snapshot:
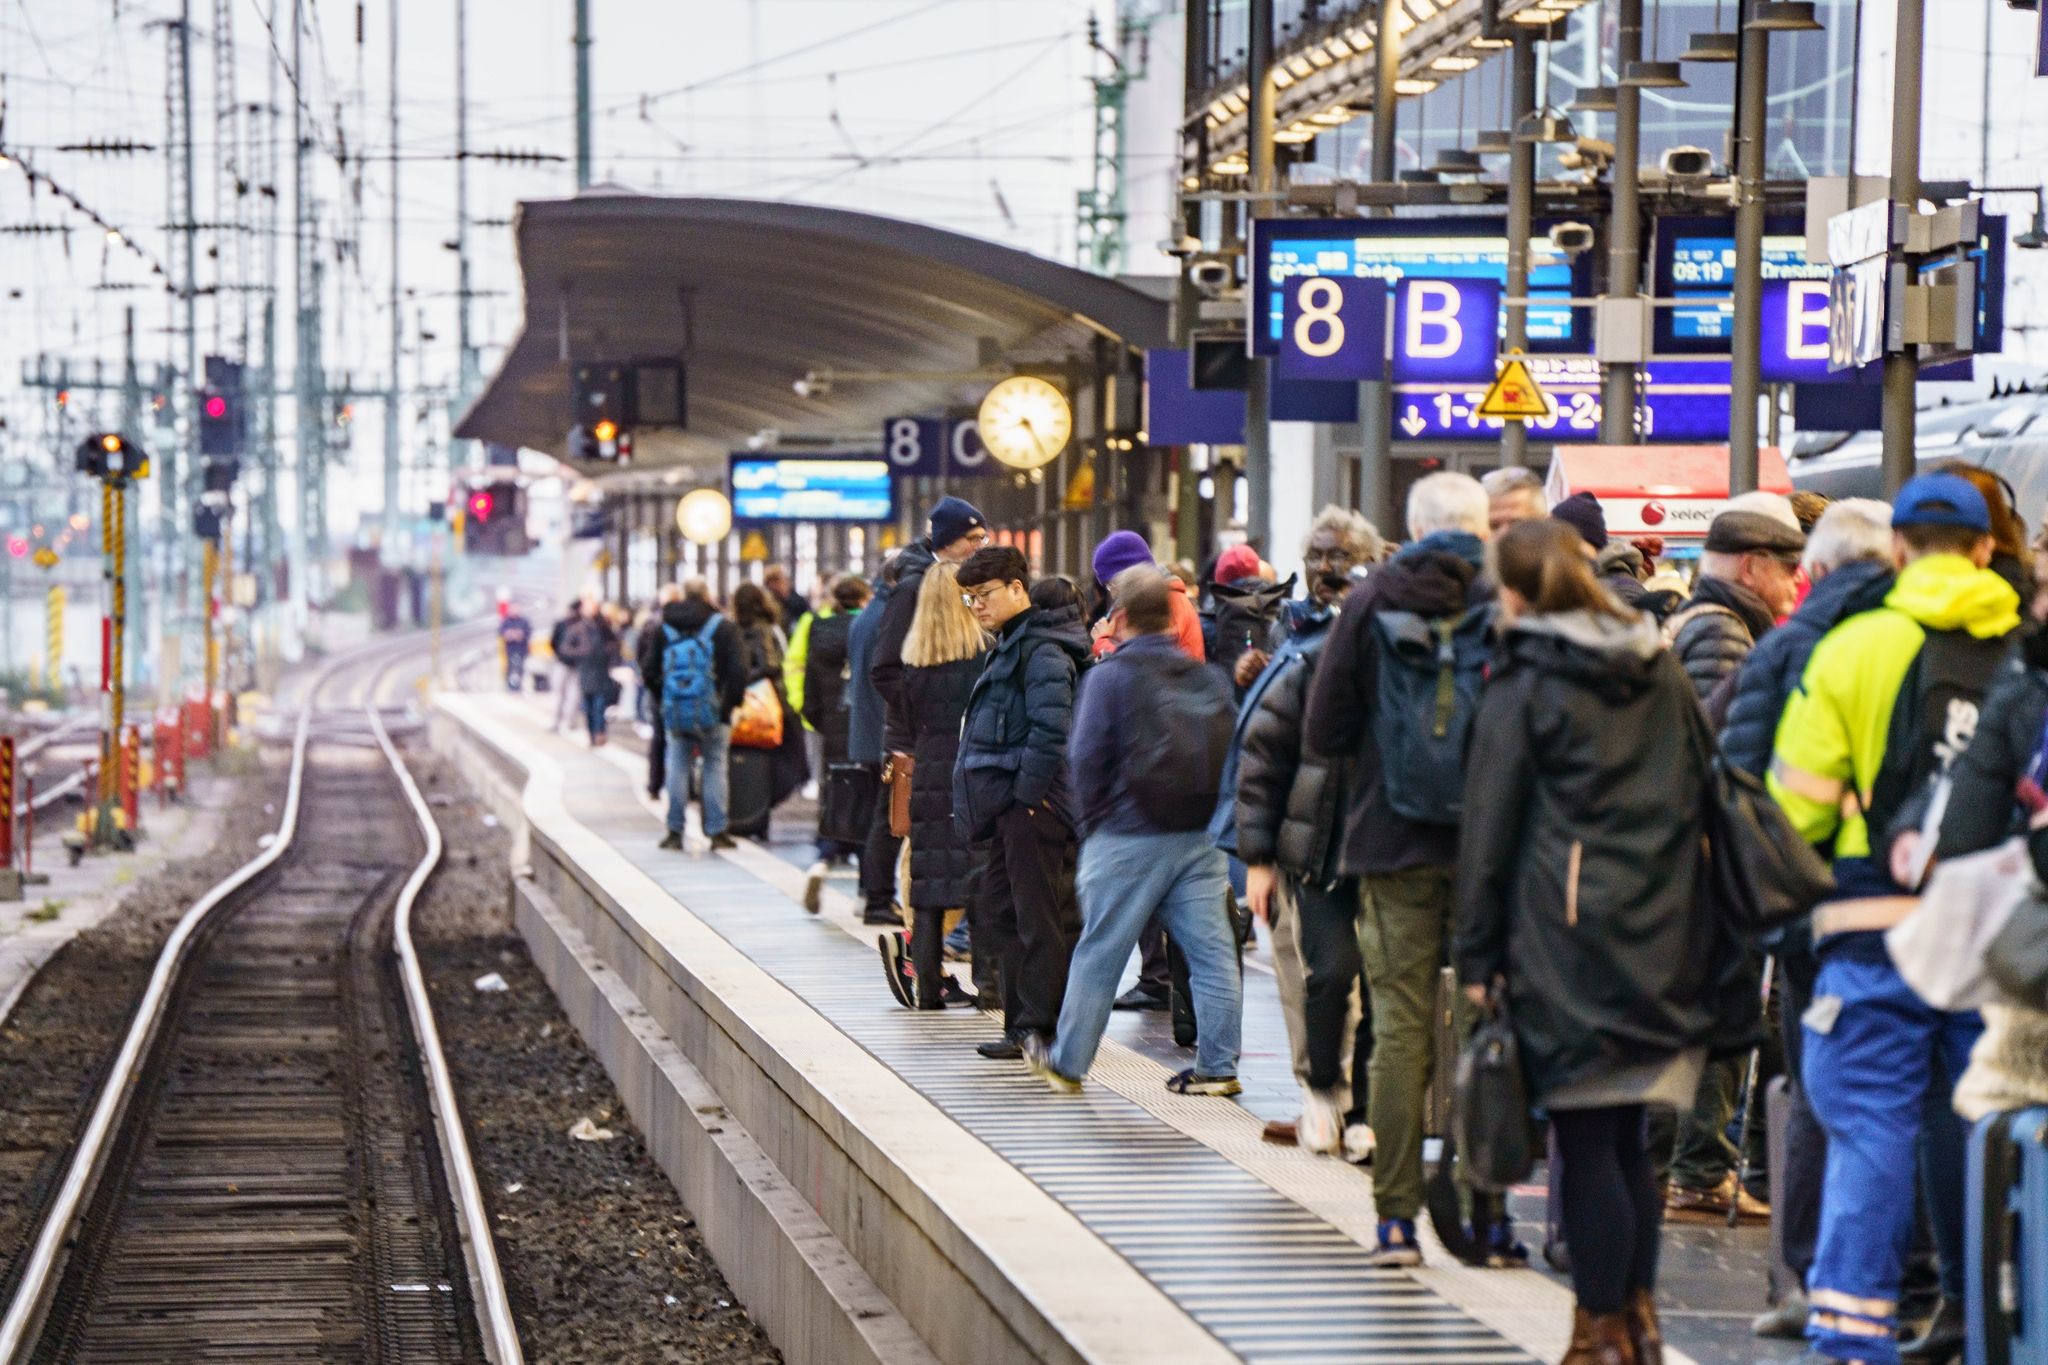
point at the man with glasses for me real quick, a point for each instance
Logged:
(1010, 788)
(955, 530)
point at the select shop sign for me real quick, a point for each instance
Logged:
(1672, 516)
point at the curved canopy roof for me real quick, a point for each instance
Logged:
(754, 294)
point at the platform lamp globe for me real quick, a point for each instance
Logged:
(704, 516)
(1025, 421)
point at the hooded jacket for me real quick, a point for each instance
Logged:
(1982, 808)
(942, 857)
(885, 668)
(1013, 739)
(819, 684)
(1716, 630)
(1187, 626)
(865, 712)
(686, 618)
(1832, 736)
(1308, 631)
(1578, 864)
(1772, 669)
(1436, 576)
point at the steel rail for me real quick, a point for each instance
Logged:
(24, 1312)
(494, 1308)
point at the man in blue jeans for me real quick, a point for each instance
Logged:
(1133, 868)
(682, 621)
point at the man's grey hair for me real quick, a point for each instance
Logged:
(667, 593)
(1514, 479)
(1352, 530)
(1849, 530)
(697, 589)
(1447, 501)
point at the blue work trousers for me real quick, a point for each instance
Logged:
(1122, 881)
(1872, 1049)
(714, 747)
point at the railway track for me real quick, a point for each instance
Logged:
(275, 1169)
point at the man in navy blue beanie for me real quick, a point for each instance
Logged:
(957, 529)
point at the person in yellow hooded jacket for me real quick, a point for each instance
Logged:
(1888, 699)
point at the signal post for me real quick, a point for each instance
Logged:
(116, 462)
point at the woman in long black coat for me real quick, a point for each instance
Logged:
(942, 656)
(1578, 905)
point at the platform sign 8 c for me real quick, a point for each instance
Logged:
(927, 447)
(1333, 328)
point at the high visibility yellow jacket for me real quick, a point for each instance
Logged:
(1831, 737)
(797, 656)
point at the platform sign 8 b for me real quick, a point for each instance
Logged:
(1333, 328)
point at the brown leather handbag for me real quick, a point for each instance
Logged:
(897, 774)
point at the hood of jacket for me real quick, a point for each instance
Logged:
(687, 615)
(1948, 592)
(1430, 578)
(1060, 618)
(1615, 658)
(1253, 595)
(1858, 586)
(1620, 557)
(1722, 592)
(1061, 627)
(913, 560)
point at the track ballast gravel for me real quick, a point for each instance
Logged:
(601, 1259)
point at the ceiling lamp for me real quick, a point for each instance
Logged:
(1417, 175)
(1297, 133)
(1301, 67)
(1457, 161)
(1413, 85)
(1784, 16)
(1594, 99)
(1545, 125)
(1458, 63)
(1233, 164)
(1652, 76)
(1336, 116)
(1713, 47)
(1493, 142)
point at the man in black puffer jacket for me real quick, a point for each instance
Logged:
(1010, 787)
(1746, 586)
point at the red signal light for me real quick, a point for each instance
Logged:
(17, 547)
(216, 406)
(480, 504)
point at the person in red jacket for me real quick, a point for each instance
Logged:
(1122, 550)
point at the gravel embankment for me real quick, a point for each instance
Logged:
(602, 1261)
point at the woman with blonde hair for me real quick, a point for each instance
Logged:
(942, 656)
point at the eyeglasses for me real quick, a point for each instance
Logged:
(1329, 557)
(977, 597)
(977, 537)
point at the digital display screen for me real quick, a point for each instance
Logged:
(811, 488)
(1706, 265)
(1394, 250)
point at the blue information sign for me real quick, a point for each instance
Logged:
(1394, 250)
(1334, 328)
(810, 488)
(1446, 330)
(1795, 332)
(1683, 402)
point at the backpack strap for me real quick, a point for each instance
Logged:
(1679, 620)
(708, 629)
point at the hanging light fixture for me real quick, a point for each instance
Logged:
(1593, 99)
(1456, 159)
(1653, 74)
(1493, 142)
(1784, 16)
(1716, 46)
(1545, 125)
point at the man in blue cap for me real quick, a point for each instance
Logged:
(1888, 699)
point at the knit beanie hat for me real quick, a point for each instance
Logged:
(1120, 550)
(953, 518)
(1239, 561)
(1581, 512)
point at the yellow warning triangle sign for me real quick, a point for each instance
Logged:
(1515, 395)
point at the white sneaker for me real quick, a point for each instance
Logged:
(1359, 1143)
(1320, 1129)
(814, 886)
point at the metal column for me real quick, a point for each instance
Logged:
(1752, 86)
(1902, 367)
(582, 94)
(1375, 397)
(391, 441)
(1514, 436)
(1624, 225)
(1258, 406)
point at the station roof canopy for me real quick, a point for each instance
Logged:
(754, 295)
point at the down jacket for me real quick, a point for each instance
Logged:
(942, 857)
(1578, 869)
(1773, 668)
(1288, 797)
(1715, 632)
(1013, 740)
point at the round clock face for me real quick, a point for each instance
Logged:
(1025, 422)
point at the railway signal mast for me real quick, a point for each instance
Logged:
(116, 462)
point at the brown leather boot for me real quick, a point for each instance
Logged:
(1644, 1333)
(1599, 1339)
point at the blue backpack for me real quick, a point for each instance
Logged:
(1430, 673)
(689, 683)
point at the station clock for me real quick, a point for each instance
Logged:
(1025, 421)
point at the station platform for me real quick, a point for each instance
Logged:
(876, 1190)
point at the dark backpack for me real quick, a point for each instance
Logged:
(579, 639)
(1431, 670)
(1179, 737)
(1932, 720)
(689, 681)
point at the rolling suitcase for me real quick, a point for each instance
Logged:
(750, 790)
(2007, 1239)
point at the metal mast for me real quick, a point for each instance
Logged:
(305, 533)
(465, 359)
(392, 458)
(583, 94)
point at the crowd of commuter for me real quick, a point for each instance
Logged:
(1478, 775)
